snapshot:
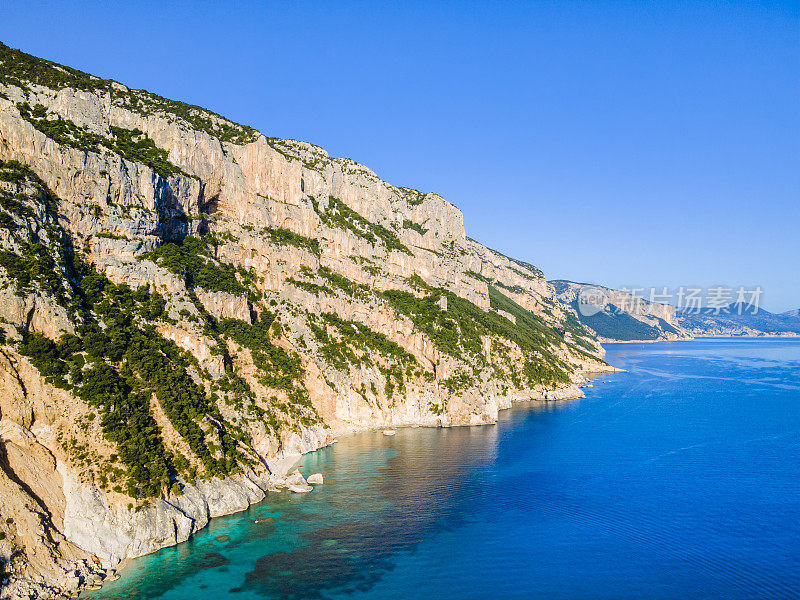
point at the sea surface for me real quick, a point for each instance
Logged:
(677, 479)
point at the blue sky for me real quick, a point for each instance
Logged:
(624, 143)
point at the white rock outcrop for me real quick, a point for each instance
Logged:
(295, 482)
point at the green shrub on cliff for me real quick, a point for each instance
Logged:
(21, 69)
(191, 258)
(29, 218)
(281, 236)
(130, 144)
(342, 216)
(277, 368)
(415, 226)
(458, 330)
(44, 354)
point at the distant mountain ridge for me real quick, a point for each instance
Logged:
(626, 318)
(739, 320)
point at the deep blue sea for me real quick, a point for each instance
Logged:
(677, 479)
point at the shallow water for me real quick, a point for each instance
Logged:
(678, 479)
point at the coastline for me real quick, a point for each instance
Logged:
(789, 334)
(280, 467)
(565, 424)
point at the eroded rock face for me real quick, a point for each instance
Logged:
(656, 321)
(223, 305)
(302, 296)
(113, 532)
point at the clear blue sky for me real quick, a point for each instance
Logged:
(625, 143)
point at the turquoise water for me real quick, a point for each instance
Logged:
(678, 479)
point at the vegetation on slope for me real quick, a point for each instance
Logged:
(192, 258)
(407, 224)
(130, 144)
(285, 237)
(312, 157)
(23, 70)
(116, 361)
(458, 330)
(342, 216)
(278, 369)
(618, 325)
(411, 196)
(37, 258)
(345, 344)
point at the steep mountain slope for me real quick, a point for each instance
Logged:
(623, 317)
(185, 301)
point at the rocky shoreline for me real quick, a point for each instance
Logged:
(207, 499)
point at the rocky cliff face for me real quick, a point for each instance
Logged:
(186, 302)
(623, 316)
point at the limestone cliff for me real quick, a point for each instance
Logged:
(626, 317)
(620, 316)
(186, 302)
